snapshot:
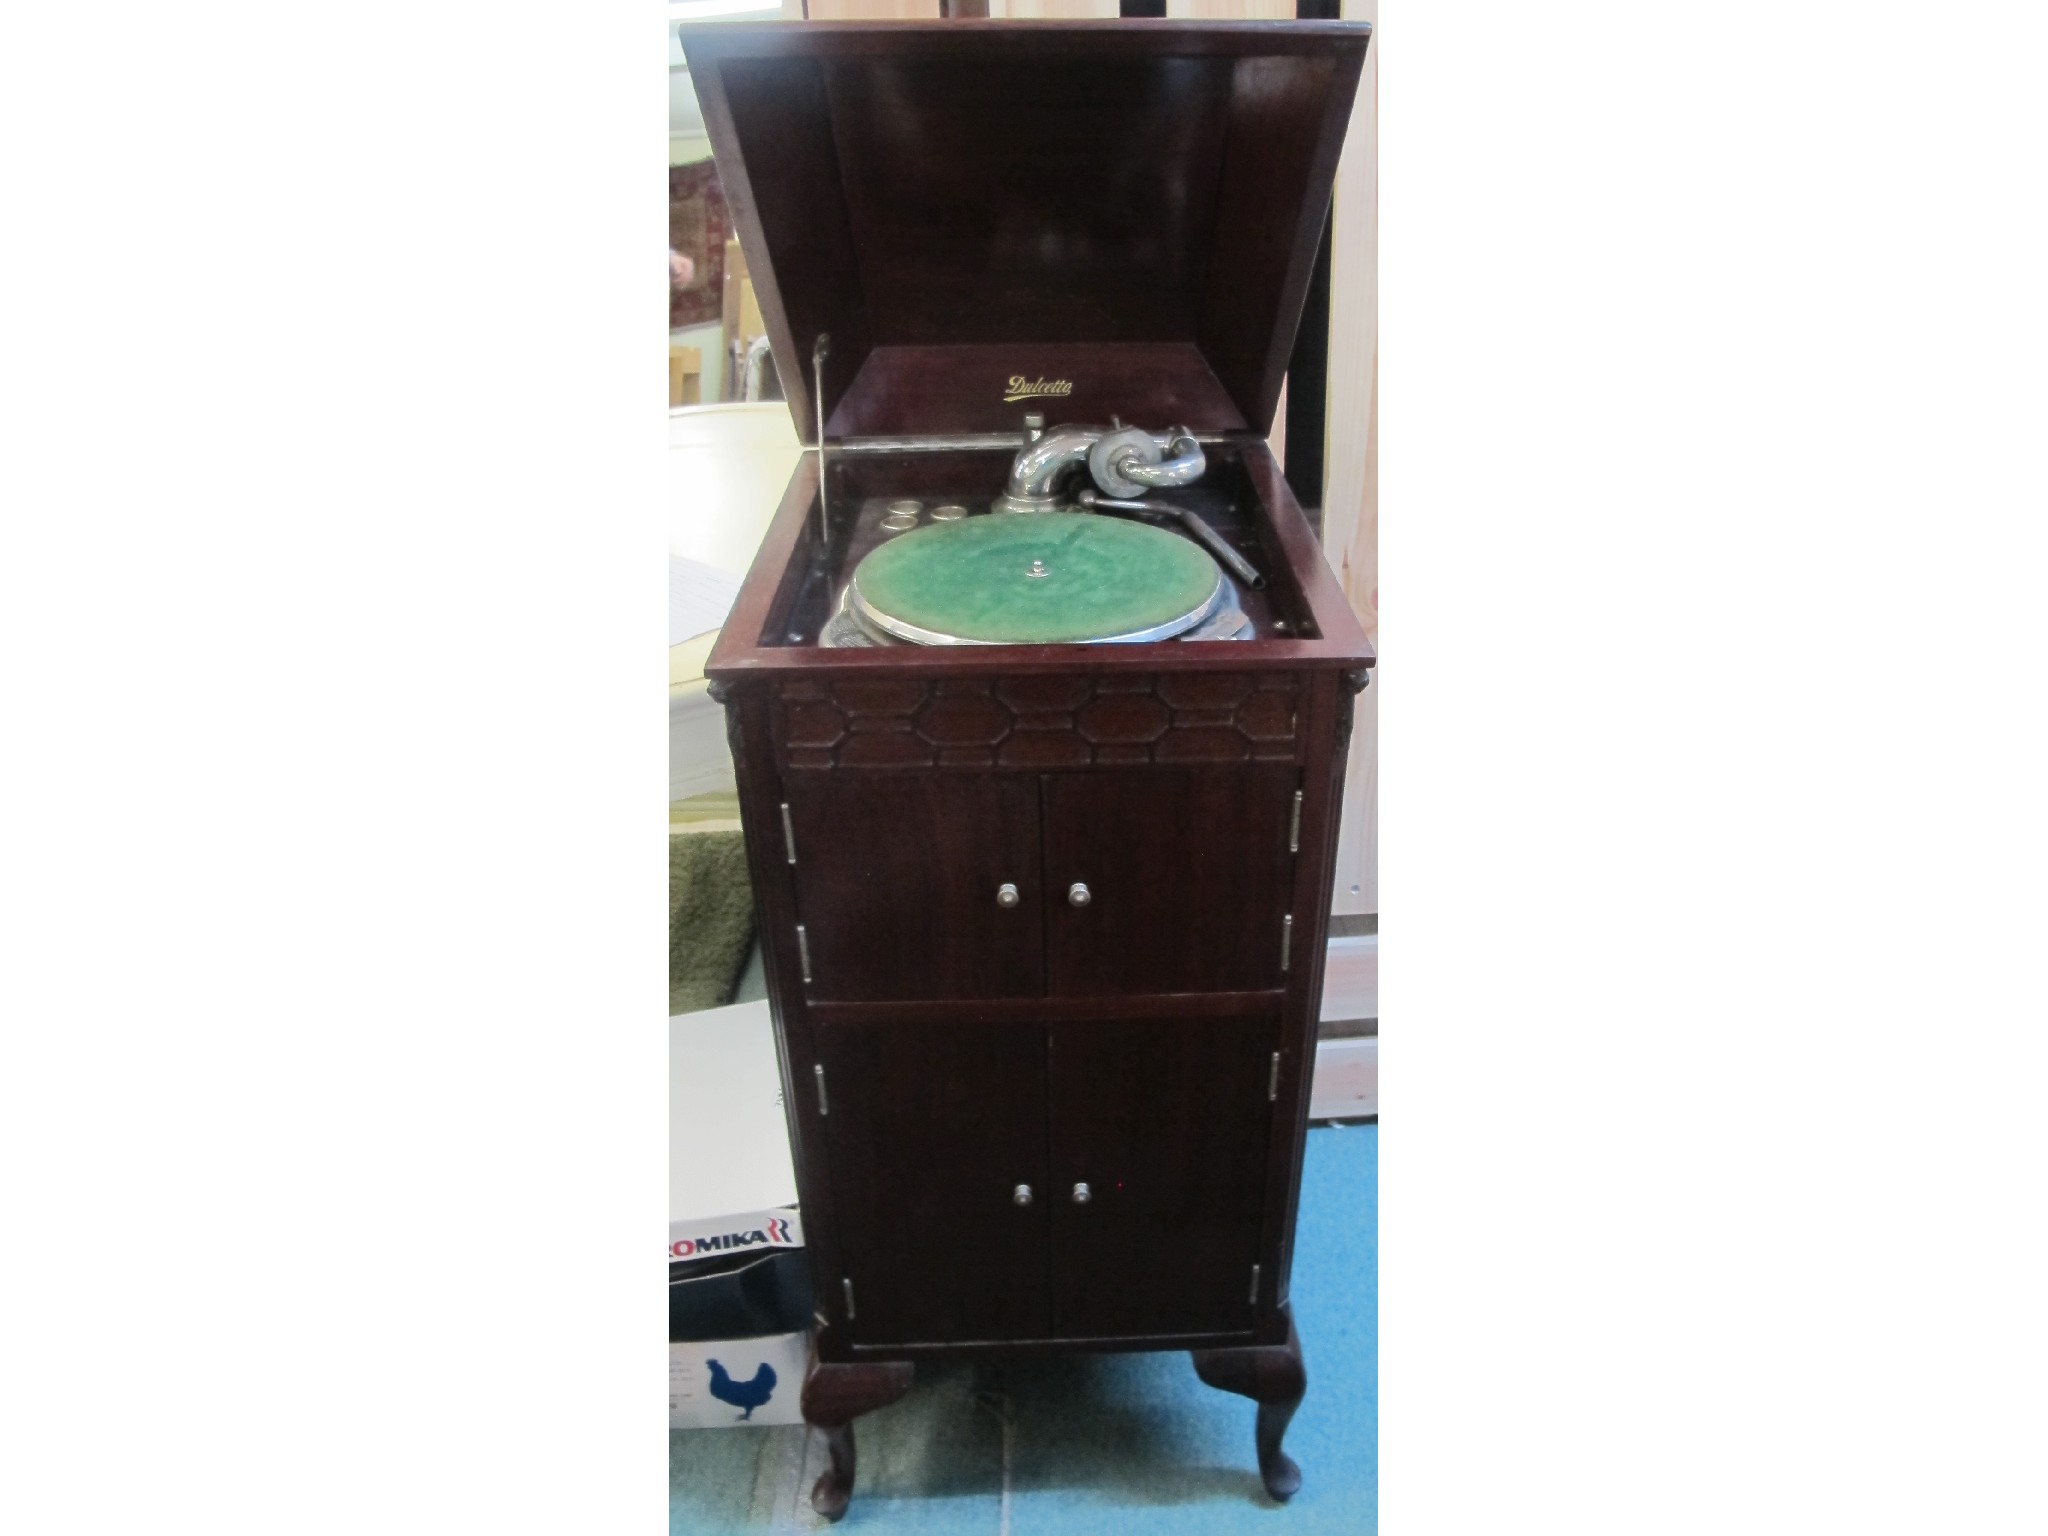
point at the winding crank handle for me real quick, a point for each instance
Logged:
(1203, 534)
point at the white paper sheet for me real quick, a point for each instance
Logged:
(699, 597)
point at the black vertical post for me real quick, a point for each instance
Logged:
(1142, 8)
(1308, 390)
(1308, 368)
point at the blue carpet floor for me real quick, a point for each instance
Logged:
(1117, 1443)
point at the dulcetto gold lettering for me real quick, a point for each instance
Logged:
(1022, 388)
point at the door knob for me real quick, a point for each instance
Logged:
(1077, 895)
(1081, 1195)
(1006, 895)
(1021, 1194)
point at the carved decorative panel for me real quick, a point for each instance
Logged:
(1033, 723)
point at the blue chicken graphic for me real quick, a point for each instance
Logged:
(748, 1395)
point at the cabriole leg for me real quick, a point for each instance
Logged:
(833, 1397)
(1273, 1376)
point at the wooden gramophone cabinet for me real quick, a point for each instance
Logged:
(1044, 924)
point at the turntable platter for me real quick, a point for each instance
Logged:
(1036, 578)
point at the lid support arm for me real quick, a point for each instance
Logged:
(819, 351)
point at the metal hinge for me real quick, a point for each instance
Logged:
(789, 832)
(1273, 1080)
(1293, 826)
(803, 951)
(1255, 1286)
(818, 1075)
(1286, 942)
(847, 1287)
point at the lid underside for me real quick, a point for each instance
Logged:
(1036, 579)
(987, 218)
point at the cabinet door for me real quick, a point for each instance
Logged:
(931, 1129)
(1187, 875)
(1166, 1123)
(899, 884)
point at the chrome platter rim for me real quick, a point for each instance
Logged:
(917, 634)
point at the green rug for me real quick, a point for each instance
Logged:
(710, 918)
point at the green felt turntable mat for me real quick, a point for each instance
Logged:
(1034, 578)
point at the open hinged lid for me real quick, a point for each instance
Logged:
(1083, 219)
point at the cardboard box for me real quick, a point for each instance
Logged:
(739, 1288)
(716, 1385)
(738, 1277)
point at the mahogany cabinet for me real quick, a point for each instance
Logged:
(1035, 1159)
(954, 885)
(1044, 924)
